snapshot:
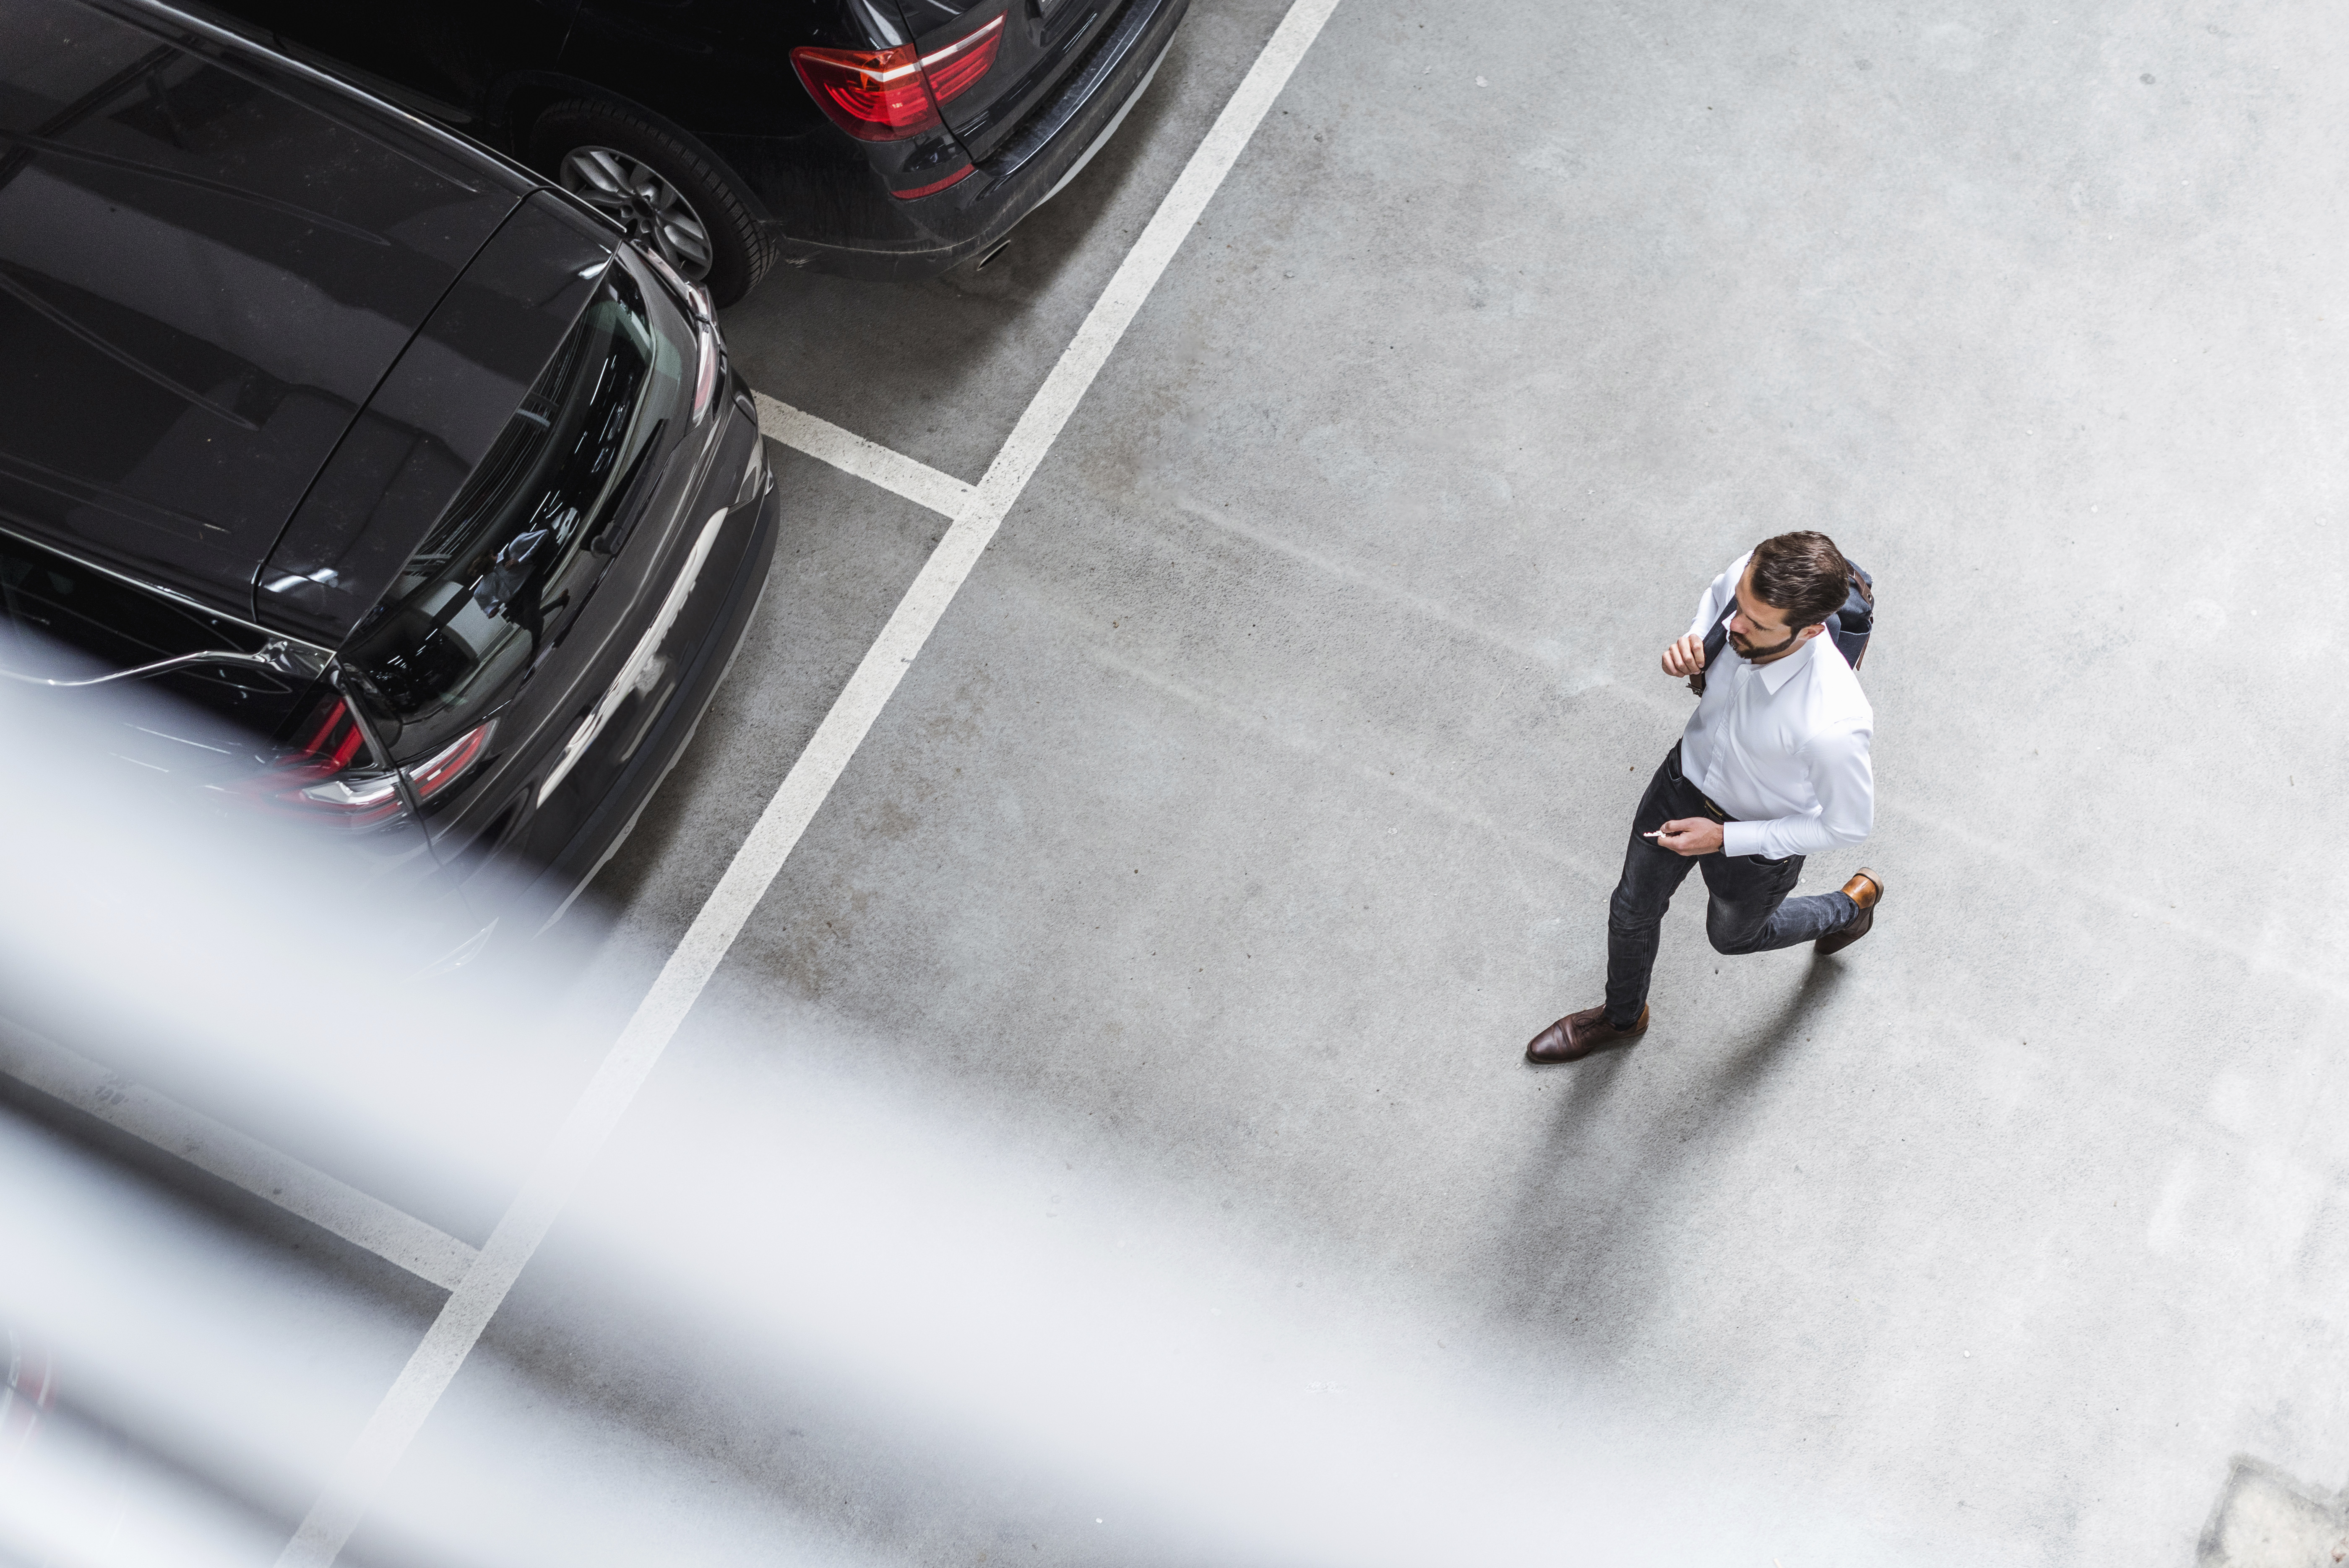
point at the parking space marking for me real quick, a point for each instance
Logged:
(869, 460)
(565, 1164)
(242, 1162)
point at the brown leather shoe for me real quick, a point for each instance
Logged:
(1866, 890)
(1577, 1035)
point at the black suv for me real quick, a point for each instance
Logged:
(432, 501)
(878, 137)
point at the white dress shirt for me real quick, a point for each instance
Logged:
(1781, 746)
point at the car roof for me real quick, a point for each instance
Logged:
(210, 257)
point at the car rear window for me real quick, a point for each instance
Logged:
(516, 551)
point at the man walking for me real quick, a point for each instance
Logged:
(1771, 767)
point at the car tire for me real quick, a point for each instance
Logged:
(602, 152)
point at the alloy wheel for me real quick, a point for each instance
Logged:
(631, 193)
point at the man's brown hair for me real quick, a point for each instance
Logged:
(1803, 576)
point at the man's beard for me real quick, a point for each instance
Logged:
(1756, 654)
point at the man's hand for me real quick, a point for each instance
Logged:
(1685, 656)
(1691, 835)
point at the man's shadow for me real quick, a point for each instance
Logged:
(1746, 1066)
(1603, 1187)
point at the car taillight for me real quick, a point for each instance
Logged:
(440, 770)
(956, 69)
(874, 96)
(317, 777)
(337, 739)
(314, 777)
(934, 186)
(888, 94)
(361, 800)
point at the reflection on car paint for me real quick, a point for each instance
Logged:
(645, 666)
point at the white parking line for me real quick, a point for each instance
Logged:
(869, 460)
(469, 1308)
(242, 1162)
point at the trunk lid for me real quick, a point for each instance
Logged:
(1040, 40)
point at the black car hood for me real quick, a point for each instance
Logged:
(208, 261)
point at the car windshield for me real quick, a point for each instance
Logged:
(518, 549)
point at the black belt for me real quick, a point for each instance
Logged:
(1673, 766)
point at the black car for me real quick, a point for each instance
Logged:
(877, 138)
(431, 504)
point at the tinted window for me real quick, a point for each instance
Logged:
(515, 554)
(61, 620)
(65, 621)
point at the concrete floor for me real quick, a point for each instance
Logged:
(1261, 793)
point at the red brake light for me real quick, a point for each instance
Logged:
(362, 800)
(956, 69)
(889, 95)
(336, 740)
(874, 96)
(313, 778)
(931, 189)
(438, 771)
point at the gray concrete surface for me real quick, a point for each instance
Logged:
(1259, 796)
(2265, 1517)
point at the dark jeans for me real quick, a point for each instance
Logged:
(1749, 912)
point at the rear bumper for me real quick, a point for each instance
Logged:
(924, 236)
(615, 817)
